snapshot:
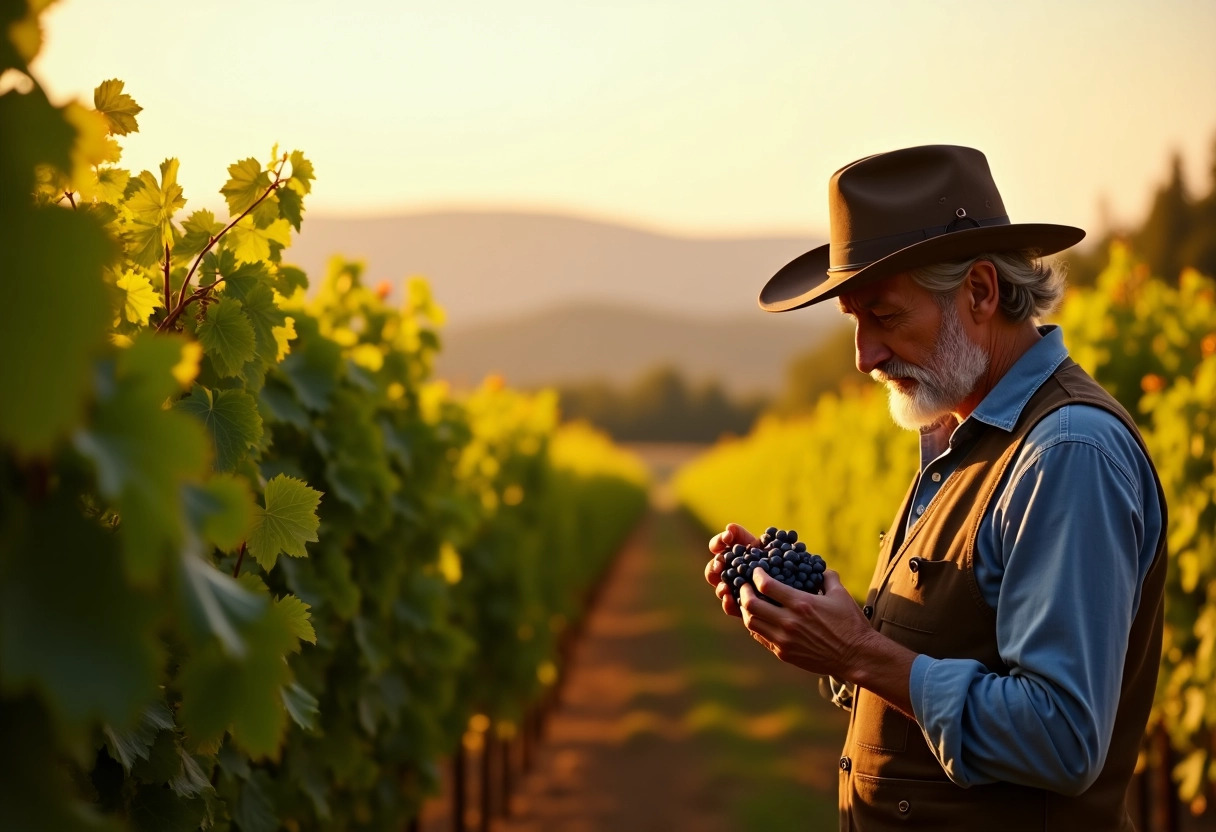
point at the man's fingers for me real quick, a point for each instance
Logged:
(732, 534)
(831, 581)
(738, 534)
(772, 587)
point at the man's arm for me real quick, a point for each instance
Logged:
(1073, 535)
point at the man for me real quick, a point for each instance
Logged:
(1004, 663)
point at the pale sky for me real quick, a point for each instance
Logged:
(698, 117)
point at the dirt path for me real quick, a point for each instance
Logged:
(673, 718)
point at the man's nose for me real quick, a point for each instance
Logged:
(870, 351)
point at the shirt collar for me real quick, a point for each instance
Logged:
(1004, 403)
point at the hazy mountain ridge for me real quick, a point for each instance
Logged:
(493, 265)
(546, 298)
(747, 353)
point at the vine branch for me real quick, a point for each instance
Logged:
(168, 290)
(184, 300)
(71, 199)
(236, 570)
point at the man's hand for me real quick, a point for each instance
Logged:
(827, 634)
(719, 545)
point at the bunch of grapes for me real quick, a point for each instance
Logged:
(782, 555)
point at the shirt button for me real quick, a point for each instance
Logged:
(904, 806)
(920, 510)
(937, 477)
(867, 611)
(845, 764)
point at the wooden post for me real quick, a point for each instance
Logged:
(506, 777)
(458, 787)
(487, 787)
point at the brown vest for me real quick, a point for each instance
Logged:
(924, 595)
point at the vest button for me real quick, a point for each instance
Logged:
(914, 565)
(845, 764)
(904, 806)
(867, 611)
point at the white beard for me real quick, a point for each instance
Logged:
(949, 376)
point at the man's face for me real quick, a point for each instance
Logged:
(917, 346)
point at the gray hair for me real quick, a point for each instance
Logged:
(1029, 287)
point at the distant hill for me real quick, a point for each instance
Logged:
(746, 352)
(493, 266)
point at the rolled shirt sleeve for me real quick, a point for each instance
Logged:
(1061, 558)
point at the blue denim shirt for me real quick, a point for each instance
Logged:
(1061, 556)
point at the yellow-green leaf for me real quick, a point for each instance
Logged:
(119, 108)
(139, 298)
(251, 244)
(247, 181)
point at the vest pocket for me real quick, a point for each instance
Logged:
(876, 725)
(884, 803)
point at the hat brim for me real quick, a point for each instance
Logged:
(805, 280)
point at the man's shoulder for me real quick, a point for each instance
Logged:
(1074, 425)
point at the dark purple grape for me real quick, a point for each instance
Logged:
(791, 536)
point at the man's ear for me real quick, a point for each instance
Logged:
(982, 292)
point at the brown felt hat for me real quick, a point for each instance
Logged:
(902, 210)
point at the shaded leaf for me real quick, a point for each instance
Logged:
(55, 259)
(232, 419)
(301, 705)
(220, 510)
(71, 627)
(133, 744)
(227, 336)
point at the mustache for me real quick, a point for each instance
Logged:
(894, 368)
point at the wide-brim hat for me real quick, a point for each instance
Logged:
(893, 212)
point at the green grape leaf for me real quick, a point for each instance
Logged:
(128, 746)
(302, 174)
(152, 206)
(288, 521)
(218, 605)
(313, 367)
(254, 810)
(291, 207)
(222, 692)
(279, 405)
(71, 627)
(162, 760)
(266, 317)
(57, 302)
(227, 336)
(220, 510)
(191, 780)
(247, 181)
(290, 279)
(139, 298)
(119, 108)
(198, 230)
(301, 705)
(251, 244)
(296, 613)
(145, 454)
(232, 419)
